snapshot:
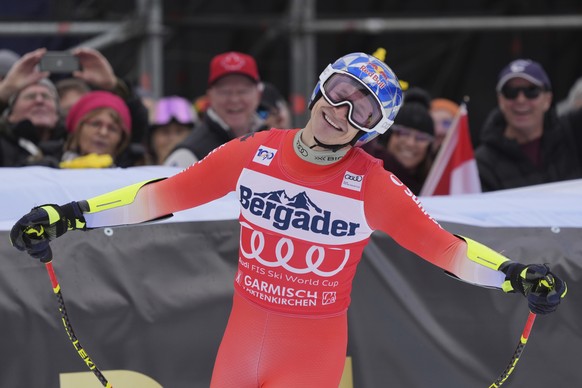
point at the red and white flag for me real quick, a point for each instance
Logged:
(454, 171)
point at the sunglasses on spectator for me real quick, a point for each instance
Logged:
(530, 92)
(420, 137)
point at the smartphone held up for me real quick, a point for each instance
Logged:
(59, 62)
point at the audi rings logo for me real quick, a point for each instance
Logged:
(352, 181)
(264, 155)
(351, 177)
(284, 252)
(301, 149)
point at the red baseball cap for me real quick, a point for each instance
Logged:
(233, 62)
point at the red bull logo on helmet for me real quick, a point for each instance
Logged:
(379, 72)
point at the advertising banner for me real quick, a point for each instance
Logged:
(149, 302)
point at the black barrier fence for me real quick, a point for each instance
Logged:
(149, 304)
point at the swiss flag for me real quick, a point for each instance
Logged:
(454, 170)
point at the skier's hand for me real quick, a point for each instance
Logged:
(542, 288)
(33, 232)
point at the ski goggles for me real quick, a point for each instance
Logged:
(365, 110)
(173, 108)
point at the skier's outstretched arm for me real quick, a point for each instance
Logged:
(392, 208)
(209, 179)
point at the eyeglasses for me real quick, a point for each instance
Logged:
(365, 110)
(530, 92)
(420, 137)
(34, 95)
(98, 124)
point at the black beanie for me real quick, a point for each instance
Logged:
(414, 112)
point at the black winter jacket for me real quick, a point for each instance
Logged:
(20, 146)
(503, 165)
(208, 134)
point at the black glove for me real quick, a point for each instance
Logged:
(537, 283)
(33, 232)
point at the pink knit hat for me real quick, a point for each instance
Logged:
(95, 100)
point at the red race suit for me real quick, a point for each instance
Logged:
(303, 229)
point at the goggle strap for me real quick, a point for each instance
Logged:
(332, 147)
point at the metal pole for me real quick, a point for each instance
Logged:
(435, 24)
(151, 67)
(55, 28)
(303, 59)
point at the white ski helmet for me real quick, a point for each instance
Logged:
(380, 85)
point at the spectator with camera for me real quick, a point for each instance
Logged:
(97, 72)
(523, 142)
(32, 129)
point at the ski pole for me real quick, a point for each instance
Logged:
(517, 353)
(69, 328)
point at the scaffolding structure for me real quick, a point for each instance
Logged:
(299, 24)
(146, 23)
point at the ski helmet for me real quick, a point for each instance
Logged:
(380, 87)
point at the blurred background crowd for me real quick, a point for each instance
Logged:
(165, 82)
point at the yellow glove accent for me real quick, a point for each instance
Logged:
(52, 214)
(506, 286)
(116, 198)
(89, 161)
(483, 255)
(79, 224)
(36, 231)
(565, 291)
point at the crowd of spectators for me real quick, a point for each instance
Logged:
(95, 119)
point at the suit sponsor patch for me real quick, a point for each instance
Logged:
(264, 155)
(352, 181)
